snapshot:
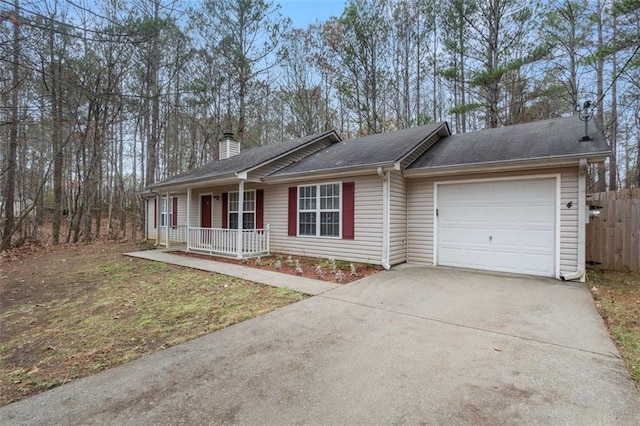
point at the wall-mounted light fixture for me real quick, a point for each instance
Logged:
(216, 197)
(594, 211)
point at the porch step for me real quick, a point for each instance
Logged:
(274, 279)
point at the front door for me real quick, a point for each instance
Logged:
(205, 211)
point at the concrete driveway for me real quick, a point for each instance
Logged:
(409, 346)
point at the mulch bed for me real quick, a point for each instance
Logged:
(335, 271)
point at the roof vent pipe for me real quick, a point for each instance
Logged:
(228, 146)
(585, 114)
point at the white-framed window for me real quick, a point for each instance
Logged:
(166, 211)
(249, 210)
(319, 210)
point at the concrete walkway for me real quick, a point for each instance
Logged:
(409, 346)
(272, 278)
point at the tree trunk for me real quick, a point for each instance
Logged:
(56, 142)
(601, 185)
(11, 160)
(613, 128)
(152, 82)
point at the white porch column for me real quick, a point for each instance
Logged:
(166, 219)
(157, 214)
(188, 215)
(240, 217)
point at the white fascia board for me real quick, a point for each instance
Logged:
(335, 173)
(499, 166)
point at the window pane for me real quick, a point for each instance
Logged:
(248, 221)
(307, 224)
(307, 198)
(233, 220)
(233, 201)
(249, 201)
(164, 207)
(330, 197)
(330, 224)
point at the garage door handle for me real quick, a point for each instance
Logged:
(490, 238)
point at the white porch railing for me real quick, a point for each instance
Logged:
(255, 242)
(177, 234)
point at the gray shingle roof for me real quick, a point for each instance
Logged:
(559, 137)
(245, 160)
(382, 148)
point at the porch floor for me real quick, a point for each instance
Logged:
(274, 279)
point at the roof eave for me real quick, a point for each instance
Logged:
(233, 176)
(216, 180)
(333, 133)
(540, 162)
(330, 173)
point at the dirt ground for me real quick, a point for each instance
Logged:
(70, 311)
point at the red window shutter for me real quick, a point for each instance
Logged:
(348, 210)
(293, 211)
(260, 209)
(155, 213)
(175, 212)
(225, 210)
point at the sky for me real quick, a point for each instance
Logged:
(305, 12)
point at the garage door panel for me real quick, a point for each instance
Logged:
(506, 213)
(475, 235)
(534, 263)
(499, 225)
(538, 238)
(451, 234)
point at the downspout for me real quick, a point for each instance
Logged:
(582, 203)
(385, 218)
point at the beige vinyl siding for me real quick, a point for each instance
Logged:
(397, 219)
(182, 209)
(194, 213)
(151, 231)
(420, 221)
(420, 213)
(367, 245)
(569, 220)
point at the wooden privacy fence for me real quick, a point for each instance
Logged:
(613, 239)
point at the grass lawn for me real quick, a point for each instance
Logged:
(617, 296)
(68, 312)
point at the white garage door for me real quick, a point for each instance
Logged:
(506, 225)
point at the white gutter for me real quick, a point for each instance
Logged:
(582, 206)
(547, 162)
(334, 173)
(385, 218)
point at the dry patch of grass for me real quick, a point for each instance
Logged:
(617, 296)
(70, 312)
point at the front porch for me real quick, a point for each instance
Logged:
(242, 243)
